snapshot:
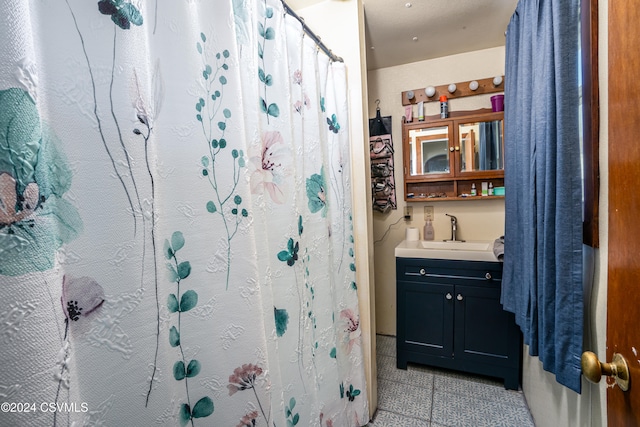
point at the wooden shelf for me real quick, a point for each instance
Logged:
(450, 199)
(484, 86)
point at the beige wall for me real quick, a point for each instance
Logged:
(478, 219)
(324, 17)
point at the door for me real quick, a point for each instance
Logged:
(623, 301)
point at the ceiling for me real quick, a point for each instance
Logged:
(404, 31)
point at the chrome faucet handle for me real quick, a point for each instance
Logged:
(454, 228)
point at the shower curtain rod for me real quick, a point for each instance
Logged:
(311, 34)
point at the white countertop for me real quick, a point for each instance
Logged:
(415, 249)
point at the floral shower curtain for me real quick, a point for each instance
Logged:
(175, 218)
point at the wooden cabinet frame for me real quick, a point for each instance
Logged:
(452, 184)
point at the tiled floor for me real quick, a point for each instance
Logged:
(429, 397)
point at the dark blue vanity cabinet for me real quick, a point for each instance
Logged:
(449, 315)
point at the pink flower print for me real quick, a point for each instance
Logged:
(305, 102)
(249, 420)
(80, 297)
(297, 77)
(9, 199)
(243, 378)
(270, 167)
(351, 328)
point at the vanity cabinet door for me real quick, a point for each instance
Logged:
(425, 319)
(484, 331)
(487, 340)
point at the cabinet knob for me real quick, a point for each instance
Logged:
(488, 276)
(449, 296)
(459, 297)
(423, 272)
(451, 149)
(457, 148)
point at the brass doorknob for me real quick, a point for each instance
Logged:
(593, 369)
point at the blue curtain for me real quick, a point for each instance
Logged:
(542, 281)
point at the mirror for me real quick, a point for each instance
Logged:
(481, 147)
(429, 150)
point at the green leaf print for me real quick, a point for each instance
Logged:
(184, 415)
(290, 256)
(172, 303)
(316, 193)
(273, 110)
(122, 14)
(178, 370)
(20, 136)
(35, 219)
(177, 241)
(184, 269)
(202, 408)
(173, 274)
(282, 319)
(168, 252)
(174, 337)
(188, 301)
(292, 419)
(193, 368)
(215, 120)
(270, 34)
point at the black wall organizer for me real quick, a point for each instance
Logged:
(383, 188)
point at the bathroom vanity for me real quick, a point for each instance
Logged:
(449, 313)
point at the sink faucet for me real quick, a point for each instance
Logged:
(454, 228)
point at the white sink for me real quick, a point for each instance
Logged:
(458, 245)
(474, 250)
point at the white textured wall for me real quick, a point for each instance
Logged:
(478, 219)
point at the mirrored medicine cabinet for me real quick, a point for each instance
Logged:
(443, 158)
